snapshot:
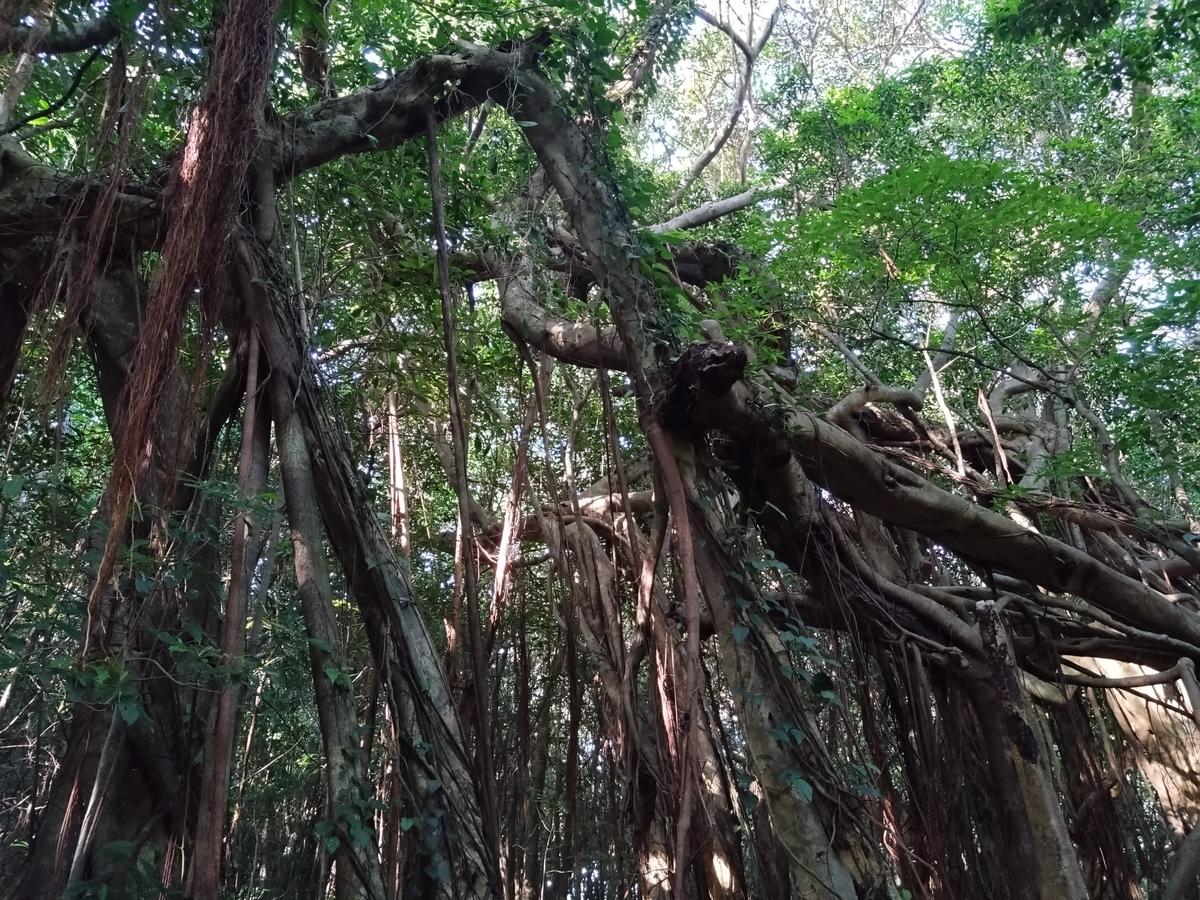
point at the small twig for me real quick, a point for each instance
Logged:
(718, 141)
(61, 101)
(936, 384)
(1001, 457)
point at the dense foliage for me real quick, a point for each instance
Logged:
(479, 449)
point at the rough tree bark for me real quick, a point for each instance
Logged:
(141, 799)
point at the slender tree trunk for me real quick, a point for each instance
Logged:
(398, 488)
(204, 879)
(434, 757)
(523, 688)
(356, 856)
(718, 847)
(458, 428)
(571, 762)
(538, 762)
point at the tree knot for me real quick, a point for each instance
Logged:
(703, 371)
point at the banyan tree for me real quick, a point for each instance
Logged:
(599, 449)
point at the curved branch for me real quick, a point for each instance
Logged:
(60, 38)
(649, 49)
(841, 412)
(387, 114)
(577, 343)
(751, 54)
(61, 101)
(858, 475)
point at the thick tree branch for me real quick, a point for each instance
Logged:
(842, 411)
(855, 473)
(717, 209)
(59, 38)
(577, 343)
(386, 115)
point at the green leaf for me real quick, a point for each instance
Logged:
(12, 487)
(335, 675)
(800, 785)
(129, 709)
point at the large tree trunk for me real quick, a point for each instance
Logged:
(1038, 839)
(815, 869)
(1166, 744)
(138, 795)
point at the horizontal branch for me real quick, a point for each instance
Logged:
(856, 474)
(717, 209)
(387, 114)
(60, 38)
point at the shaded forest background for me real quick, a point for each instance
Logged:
(600, 449)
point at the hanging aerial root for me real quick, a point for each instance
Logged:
(205, 188)
(99, 211)
(488, 802)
